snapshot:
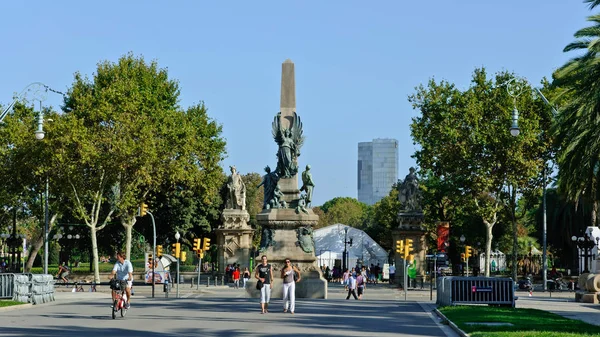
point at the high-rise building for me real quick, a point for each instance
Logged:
(377, 169)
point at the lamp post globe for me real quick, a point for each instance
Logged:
(177, 236)
(462, 239)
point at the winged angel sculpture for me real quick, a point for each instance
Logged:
(290, 141)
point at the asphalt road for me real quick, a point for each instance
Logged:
(226, 312)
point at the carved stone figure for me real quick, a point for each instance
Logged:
(269, 183)
(290, 141)
(266, 239)
(307, 185)
(277, 201)
(409, 193)
(305, 239)
(236, 191)
(302, 205)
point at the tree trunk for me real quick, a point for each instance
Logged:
(95, 253)
(488, 245)
(128, 224)
(594, 213)
(37, 245)
(35, 248)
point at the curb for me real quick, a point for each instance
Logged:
(451, 324)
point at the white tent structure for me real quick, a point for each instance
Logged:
(329, 246)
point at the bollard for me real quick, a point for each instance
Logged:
(208, 282)
(166, 288)
(222, 280)
(216, 281)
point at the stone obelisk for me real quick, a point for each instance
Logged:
(287, 227)
(287, 107)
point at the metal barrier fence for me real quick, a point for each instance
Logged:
(7, 285)
(455, 290)
(27, 288)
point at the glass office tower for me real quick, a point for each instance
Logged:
(377, 169)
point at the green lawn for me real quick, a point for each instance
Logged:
(8, 303)
(526, 322)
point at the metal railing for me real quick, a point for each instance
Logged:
(475, 290)
(7, 285)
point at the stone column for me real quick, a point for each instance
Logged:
(411, 227)
(234, 239)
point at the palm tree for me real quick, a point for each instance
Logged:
(577, 128)
(593, 3)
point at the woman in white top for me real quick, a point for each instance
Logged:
(289, 285)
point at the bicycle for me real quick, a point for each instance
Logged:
(120, 298)
(59, 281)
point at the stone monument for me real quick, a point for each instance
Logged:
(234, 235)
(410, 220)
(286, 220)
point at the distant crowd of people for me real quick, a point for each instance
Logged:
(371, 274)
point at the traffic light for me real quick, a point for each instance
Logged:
(143, 209)
(183, 256)
(197, 245)
(205, 244)
(400, 246)
(150, 260)
(159, 250)
(176, 249)
(408, 248)
(410, 259)
(462, 257)
(468, 252)
(200, 254)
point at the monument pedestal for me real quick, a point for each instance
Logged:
(287, 234)
(410, 227)
(234, 239)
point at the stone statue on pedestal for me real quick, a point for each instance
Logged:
(268, 183)
(307, 185)
(236, 191)
(290, 141)
(409, 193)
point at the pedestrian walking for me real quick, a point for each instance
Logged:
(246, 276)
(290, 275)
(236, 278)
(264, 274)
(352, 286)
(360, 285)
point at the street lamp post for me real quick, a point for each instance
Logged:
(514, 90)
(346, 242)
(177, 237)
(585, 243)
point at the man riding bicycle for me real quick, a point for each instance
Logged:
(63, 272)
(123, 274)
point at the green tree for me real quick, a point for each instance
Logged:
(464, 141)
(344, 210)
(382, 218)
(126, 137)
(26, 171)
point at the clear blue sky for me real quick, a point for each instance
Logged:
(356, 61)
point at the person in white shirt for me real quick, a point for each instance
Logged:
(352, 286)
(392, 273)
